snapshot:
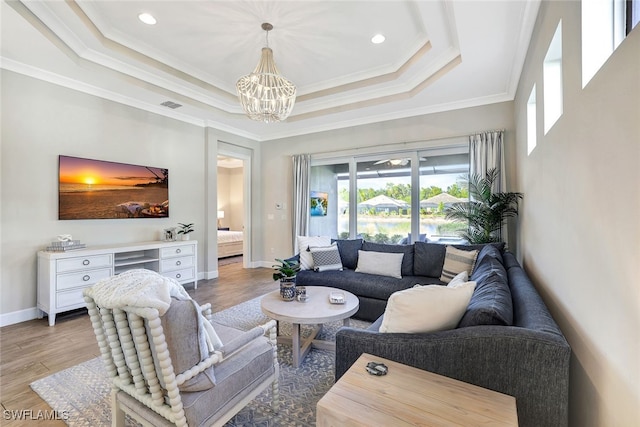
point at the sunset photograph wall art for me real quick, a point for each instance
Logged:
(98, 189)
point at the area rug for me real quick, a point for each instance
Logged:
(82, 392)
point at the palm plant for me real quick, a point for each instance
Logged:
(486, 212)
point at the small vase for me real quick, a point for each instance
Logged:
(288, 288)
(185, 237)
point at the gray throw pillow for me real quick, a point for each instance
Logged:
(326, 258)
(186, 344)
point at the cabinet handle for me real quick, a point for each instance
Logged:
(178, 276)
(86, 262)
(86, 278)
(178, 251)
(178, 262)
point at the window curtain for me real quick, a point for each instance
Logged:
(486, 152)
(301, 195)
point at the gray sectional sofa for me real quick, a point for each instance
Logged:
(507, 340)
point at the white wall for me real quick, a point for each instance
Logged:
(41, 121)
(580, 223)
(435, 129)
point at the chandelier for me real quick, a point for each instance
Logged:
(264, 94)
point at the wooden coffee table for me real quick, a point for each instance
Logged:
(316, 311)
(407, 396)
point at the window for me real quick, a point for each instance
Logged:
(392, 198)
(532, 132)
(632, 14)
(552, 80)
(605, 23)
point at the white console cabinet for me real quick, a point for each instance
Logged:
(63, 275)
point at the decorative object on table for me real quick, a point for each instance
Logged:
(301, 293)
(377, 369)
(185, 229)
(65, 243)
(487, 211)
(169, 234)
(286, 271)
(336, 298)
(220, 216)
(264, 94)
(319, 203)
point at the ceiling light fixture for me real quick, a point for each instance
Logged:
(147, 18)
(378, 38)
(264, 94)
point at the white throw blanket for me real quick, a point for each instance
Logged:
(147, 289)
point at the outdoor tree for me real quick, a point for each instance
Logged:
(428, 192)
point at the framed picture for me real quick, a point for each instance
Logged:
(170, 234)
(319, 203)
(99, 189)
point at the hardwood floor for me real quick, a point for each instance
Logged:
(33, 350)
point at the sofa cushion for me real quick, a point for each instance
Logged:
(429, 308)
(306, 260)
(381, 263)
(491, 302)
(428, 257)
(326, 257)
(361, 284)
(407, 250)
(456, 261)
(349, 252)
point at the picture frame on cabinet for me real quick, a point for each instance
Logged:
(170, 234)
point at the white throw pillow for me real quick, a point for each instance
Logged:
(306, 260)
(326, 258)
(428, 308)
(382, 263)
(460, 278)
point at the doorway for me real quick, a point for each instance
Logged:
(233, 196)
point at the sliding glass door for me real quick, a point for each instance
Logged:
(389, 198)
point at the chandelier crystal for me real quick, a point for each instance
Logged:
(264, 94)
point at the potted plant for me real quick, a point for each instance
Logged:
(286, 271)
(486, 212)
(185, 229)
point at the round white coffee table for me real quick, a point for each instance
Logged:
(316, 311)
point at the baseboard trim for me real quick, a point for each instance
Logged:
(211, 275)
(19, 316)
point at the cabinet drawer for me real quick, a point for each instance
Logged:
(82, 278)
(175, 251)
(83, 263)
(177, 263)
(69, 298)
(186, 274)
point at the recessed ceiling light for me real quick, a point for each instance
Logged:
(377, 39)
(147, 18)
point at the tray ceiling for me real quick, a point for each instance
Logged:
(438, 55)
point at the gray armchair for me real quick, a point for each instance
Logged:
(160, 375)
